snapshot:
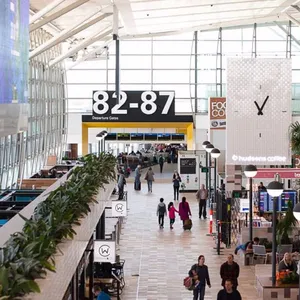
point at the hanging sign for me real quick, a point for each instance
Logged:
(134, 106)
(217, 113)
(104, 251)
(119, 208)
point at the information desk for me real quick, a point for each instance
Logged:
(266, 291)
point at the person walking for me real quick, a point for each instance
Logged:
(121, 183)
(201, 196)
(172, 210)
(161, 163)
(228, 292)
(137, 178)
(199, 272)
(150, 178)
(176, 185)
(161, 212)
(184, 210)
(230, 270)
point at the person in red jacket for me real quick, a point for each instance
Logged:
(172, 211)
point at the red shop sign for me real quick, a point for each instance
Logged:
(283, 173)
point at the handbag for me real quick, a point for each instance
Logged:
(188, 283)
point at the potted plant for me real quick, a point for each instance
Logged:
(285, 226)
(294, 132)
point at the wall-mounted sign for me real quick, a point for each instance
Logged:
(283, 173)
(258, 111)
(104, 251)
(134, 106)
(217, 113)
(188, 168)
(119, 208)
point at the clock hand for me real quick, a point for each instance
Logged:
(264, 103)
(258, 108)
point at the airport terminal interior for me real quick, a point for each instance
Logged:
(149, 149)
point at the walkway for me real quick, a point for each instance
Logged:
(158, 260)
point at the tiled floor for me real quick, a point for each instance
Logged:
(158, 260)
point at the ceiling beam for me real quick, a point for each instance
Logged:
(286, 4)
(209, 27)
(65, 34)
(90, 54)
(126, 14)
(88, 41)
(295, 21)
(45, 10)
(296, 7)
(56, 15)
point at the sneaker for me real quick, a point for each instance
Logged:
(171, 227)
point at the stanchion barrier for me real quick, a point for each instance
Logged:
(210, 233)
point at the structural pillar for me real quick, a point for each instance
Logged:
(85, 139)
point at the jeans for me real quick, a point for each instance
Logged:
(161, 220)
(176, 192)
(199, 292)
(202, 207)
(172, 221)
(161, 167)
(149, 185)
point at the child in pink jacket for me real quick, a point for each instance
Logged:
(172, 211)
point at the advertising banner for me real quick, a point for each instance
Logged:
(217, 113)
(188, 165)
(14, 45)
(258, 109)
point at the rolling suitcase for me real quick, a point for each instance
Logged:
(188, 224)
(137, 186)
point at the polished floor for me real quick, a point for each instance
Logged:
(157, 260)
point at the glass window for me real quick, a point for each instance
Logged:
(135, 47)
(172, 47)
(86, 76)
(139, 76)
(135, 62)
(173, 76)
(82, 105)
(172, 62)
(231, 34)
(181, 91)
(84, 91)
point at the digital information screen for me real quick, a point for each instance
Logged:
(188, 166)
(123, 136)
(164, 136)
(178, 137)
(111, 137)
(136, 136)
(266, 201)
(150, 136)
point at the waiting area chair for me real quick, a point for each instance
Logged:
(281, 250)
(260, 253)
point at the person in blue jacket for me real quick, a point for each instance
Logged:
(100, 294)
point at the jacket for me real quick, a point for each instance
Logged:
(149, 175)
(202, 273)
(184, 210)
(161, 209)
(202, 194)
(230, 272)
(282, 266)
(176, 181)
(172, 211)
(235, 295)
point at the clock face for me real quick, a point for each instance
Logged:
(258, 111)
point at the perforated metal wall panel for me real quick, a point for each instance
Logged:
(259, 97)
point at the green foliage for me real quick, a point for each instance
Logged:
(294, 132)
(29, 254)
(285, 226)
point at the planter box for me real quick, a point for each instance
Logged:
(56, 284)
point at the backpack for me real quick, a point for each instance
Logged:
(162, 209)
